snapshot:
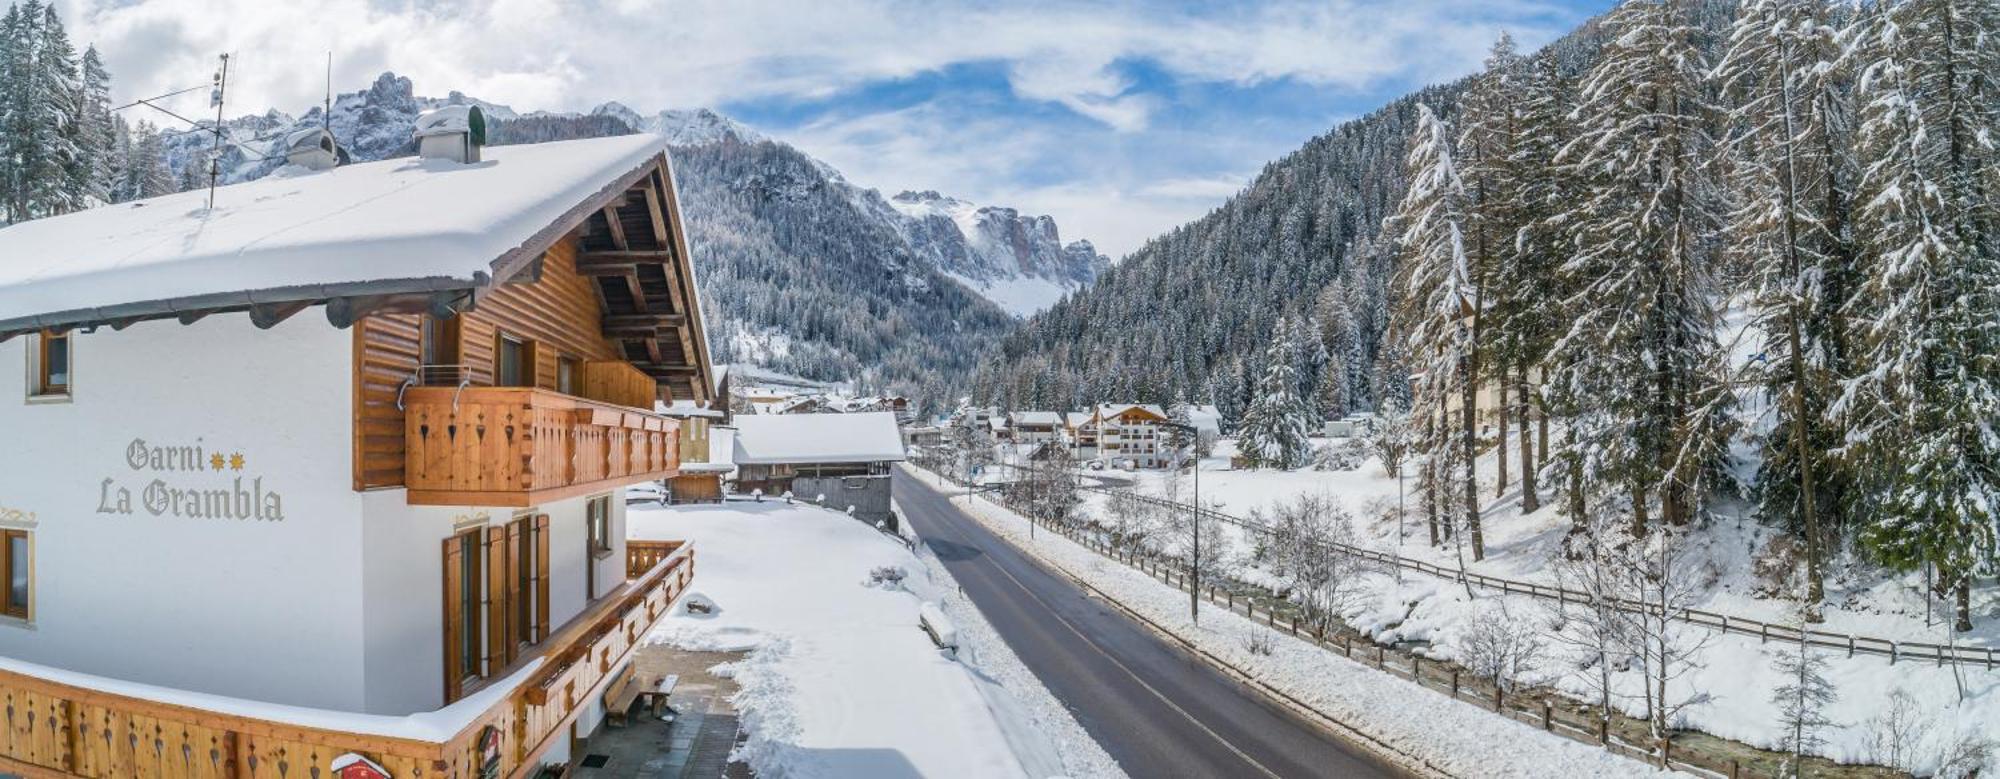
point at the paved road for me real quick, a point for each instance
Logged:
(1159, 711)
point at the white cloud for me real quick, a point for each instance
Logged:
(549, 54)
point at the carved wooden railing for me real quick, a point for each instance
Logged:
(54, 729)
(523, 446)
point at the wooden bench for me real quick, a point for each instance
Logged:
(619, 697)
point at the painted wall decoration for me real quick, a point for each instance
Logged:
(205, 484)
(354, 766)
(14, 516)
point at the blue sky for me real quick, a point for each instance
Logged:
(1122, 119)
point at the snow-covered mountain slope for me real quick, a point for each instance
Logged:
(1017, 261)
(801, 270)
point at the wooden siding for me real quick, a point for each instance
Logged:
(616, 381)
(60, 730)
(559, 313)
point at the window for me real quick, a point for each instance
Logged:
(51, 376)
(439, 341)
(464, 612)
(513, 362)
(17, 569)
(566, 375)
(597, 519)
(528, 552)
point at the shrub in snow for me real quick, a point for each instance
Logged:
(1305, 534)
(1259, 642)
(1500, 647)
(1969, 756)
(757, 495)
(788, 497)
(850, 511)
(1344, 455)
(887, 576)
(820, 498)
(1893, 736)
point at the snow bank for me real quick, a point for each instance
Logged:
(1455, 737)
(840, 681)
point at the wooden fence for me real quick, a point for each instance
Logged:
(1896, 651)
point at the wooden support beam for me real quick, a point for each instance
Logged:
(617, 228)
(639, 303)
(267, 315)
(626, 256)
(645, 324)
(661, 237)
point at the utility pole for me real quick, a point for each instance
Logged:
(1194, 569)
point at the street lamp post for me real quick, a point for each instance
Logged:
(1194, 569)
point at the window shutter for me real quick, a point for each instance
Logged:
(454, 620)
(518, 631)
(496, 599)
(541, 577)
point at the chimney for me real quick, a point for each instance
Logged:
(312, 149)
(453, 132)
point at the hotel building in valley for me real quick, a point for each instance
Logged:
(326, 479)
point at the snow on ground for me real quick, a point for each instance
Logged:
(1022, 297)
(1456, 738)
(981, 646)
(839, 680)
(1736, 670)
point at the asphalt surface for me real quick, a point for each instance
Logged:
(1157, 710)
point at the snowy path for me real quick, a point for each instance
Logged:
(1157, 710)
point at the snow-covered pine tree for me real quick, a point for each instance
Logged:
(1438, 297)
(97, 130)
(59, 101)
(1926, 383)
(1490, 129)
(1525, 294)
(1274, 429)
(1787, 229)
(1639, 366)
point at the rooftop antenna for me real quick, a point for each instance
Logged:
(215, 151)
(326, 114)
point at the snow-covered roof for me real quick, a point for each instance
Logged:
(1046, 418)
(817, 438)
(1205, 418)
(298, 234)
(1108, 410)
(686, 409)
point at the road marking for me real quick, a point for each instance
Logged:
(1121, 666)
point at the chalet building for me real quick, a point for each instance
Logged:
(331, 473)
(922, 436)
(1080, 430)
(706, 446)
(1130, 434)
(846, 458)
(1033, 428)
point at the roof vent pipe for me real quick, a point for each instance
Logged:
(453, 132)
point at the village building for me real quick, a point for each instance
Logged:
(706, 446)
(330, 474)
(1080, 430)
(1032, 428)
(1130, 435)
(840, 460)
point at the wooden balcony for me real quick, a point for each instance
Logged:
(63, 730)
(523, 446)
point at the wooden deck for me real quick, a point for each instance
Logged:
(525, 446)
(60, 730)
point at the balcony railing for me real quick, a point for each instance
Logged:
(113, 732)
(523, 446)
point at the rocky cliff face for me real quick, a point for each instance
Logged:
(1018, 261)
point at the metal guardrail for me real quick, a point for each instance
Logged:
(1896, 651)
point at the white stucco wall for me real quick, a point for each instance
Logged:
(404, 586)
(268, 609)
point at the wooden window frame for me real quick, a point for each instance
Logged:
(26, 611)
(41, 388)
(450, 342)
(458, 679)
(527, 600)
(572, 367)
(528, 358)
